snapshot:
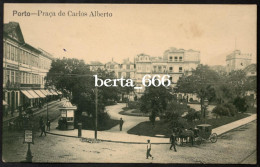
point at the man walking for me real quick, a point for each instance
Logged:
(42, 126)
(172, 141)
(148, 150)
(121, 122)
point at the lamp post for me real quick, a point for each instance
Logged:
(205, 105)
(47, 114)
(96, 94)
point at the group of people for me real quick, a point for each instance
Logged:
(173, 139)
(42, 126)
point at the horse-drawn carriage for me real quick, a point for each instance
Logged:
(204, 132)
(198, 134)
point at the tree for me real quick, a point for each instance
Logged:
(154, 101)
(200, 82)
(240, 104)
(73, 76)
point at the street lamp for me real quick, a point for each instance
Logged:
(96, 109)
(206, 103)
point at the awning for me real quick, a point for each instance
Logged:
(39, 93)
(49, 92)
(34, 95)
(59, 92)
(44, 92)
(28, 95)
(4, 103)
(53, 92)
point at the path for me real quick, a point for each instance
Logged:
(129, 121)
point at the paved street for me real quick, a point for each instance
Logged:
(236, 146)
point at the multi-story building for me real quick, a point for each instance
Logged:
(174, 62)
(124, 70)
(24, 68)
(95, 65)
(237, 60)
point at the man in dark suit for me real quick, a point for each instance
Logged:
(173, 140)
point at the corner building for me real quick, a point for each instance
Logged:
(24, 69)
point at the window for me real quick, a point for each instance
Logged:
(4, 50)
(17, 76)
(170, 68)
(127, 74)
(143, 68)
(180, 69)
(154, 68)
(119, 74)
(175, 58)
(170, 58)
(180, 58)
(21, 77)
(7, 75)
(159, 68)
(12, 77)
(128, 67)
(15, 54)
(12, 53)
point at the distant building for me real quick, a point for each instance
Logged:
(174, 62)
(95, 65)
(24, 68)
(237, 60)
(251, 70)
(125, 70)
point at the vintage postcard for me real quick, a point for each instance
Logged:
(129, 83)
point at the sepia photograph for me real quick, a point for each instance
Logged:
(129, 83)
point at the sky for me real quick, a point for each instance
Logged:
(214, 30)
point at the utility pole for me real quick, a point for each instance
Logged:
(96, 94)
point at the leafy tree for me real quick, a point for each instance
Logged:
(154, 101)
(73, 77)
(200, 82)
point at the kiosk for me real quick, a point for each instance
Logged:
(67, 116)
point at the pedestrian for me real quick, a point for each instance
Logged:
(121, 122)
(48, 125)
(172, 141)
(149, 148)
(42, 126)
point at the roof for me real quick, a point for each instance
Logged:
(250, 68)
(68, 105)
(13, 30)
(96, 63)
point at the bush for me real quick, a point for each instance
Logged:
(226, 109)
(191, 99)
(232, 109)
(240, 104)
(133, 105)
(220, 110)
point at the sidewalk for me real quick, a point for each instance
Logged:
(35, 110)
(129, 138)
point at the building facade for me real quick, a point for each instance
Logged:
(237, 60)
(24, 68)
(125, 70)
(174, 62)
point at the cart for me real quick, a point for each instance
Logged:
(203, 132)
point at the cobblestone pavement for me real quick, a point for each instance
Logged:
(236, 146)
